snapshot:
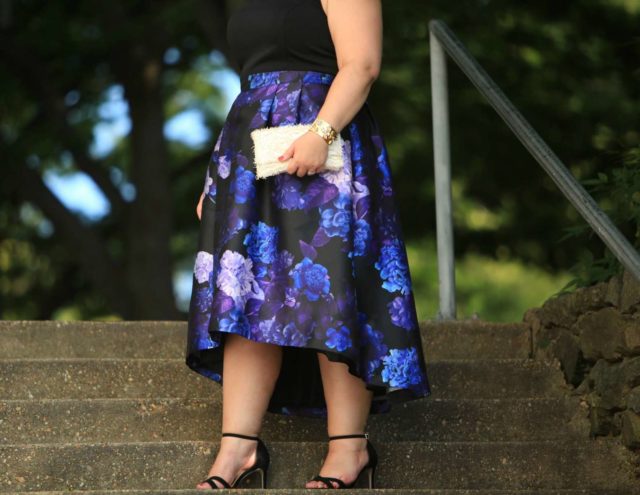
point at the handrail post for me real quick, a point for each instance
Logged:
(442, 181)
(443, 39)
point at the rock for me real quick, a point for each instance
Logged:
(631, 332)
(630, 296)
(563, 310)
(583, 388)
(543, 338)
(601, 334)
(546, 336)
(630, 429)
(597, 327)
(633, 400)
(630, 372)
(531, 317)
(567, 349)
(609, 334)
(601, 421)
(607, 385)
(543, 354)
(616, 421)
(556, 311)
(590, 298)
(614, 290)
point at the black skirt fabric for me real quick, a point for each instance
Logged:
(315, 264)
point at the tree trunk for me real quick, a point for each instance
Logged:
(149, 267)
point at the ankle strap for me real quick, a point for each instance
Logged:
(357, 435)
(248, 437)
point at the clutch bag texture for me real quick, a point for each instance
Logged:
(270, 142)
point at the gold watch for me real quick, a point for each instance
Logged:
(324, 130)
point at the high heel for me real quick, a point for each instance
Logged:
(261, 465)
(370, 465)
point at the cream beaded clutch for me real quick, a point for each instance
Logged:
(270, 142)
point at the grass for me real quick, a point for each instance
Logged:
(495, 290)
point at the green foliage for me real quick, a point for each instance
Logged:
(619, 193)
(495, 288)
(569, 67)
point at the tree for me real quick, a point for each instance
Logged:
(62, 57)
(571, 67)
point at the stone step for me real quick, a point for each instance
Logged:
(167, 339)
(601, 464)
(46, 421)
(164, 378)
(475, 339)
(374, 491)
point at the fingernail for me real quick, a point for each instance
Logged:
(280, 157)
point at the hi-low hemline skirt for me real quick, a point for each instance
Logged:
(315, 264)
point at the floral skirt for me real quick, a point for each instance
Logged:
(314, 264)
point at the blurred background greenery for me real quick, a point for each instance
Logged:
(109, 112)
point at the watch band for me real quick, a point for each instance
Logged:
(324, 130)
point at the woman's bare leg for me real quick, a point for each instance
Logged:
(348, 404)
(250, 371)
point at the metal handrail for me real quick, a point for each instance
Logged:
(443, 41)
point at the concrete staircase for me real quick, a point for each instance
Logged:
(94, 407)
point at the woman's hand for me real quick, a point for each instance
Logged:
(308, 154)
(199, 207)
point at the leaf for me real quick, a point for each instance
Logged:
(319, 193)
(573, 232)
(222, 303)
(320, 238)
(362, 206)
(253, 306)
(308, 250)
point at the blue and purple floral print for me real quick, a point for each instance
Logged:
(313, 264)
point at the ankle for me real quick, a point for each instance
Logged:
(236, 449)
(348, 445)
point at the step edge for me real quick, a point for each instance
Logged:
(570, 443)
(500, 400)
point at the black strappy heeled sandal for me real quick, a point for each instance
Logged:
(370, 465)
(261, 465)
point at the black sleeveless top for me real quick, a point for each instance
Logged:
(266, 35)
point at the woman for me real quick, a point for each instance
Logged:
(302, 298)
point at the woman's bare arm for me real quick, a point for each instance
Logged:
(356, 31)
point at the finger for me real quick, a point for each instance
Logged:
(199, 206)
(287, 154)
(292, 167)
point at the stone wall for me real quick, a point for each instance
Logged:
(594, 332)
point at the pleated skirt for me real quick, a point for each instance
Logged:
(314, 264)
